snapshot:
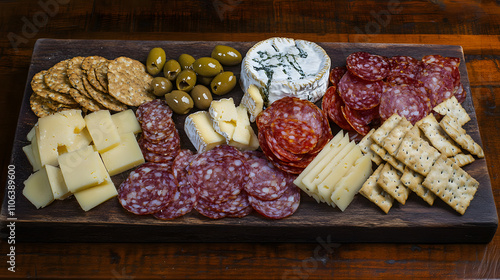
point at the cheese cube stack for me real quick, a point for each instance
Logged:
(337, 173)
(75, 155)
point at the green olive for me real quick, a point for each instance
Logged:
(226, 55)
(179, 101)
(186, 80)
(207, 66)
(171, 69)
(156, 60)
(186, 61)
(202, 97)
(161, 86)
(204, 80)
(223, 83)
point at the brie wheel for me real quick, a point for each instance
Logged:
(282, 67)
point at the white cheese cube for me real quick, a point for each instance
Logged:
(351, 183)
(124, 156)
(57, 184)
(82, 169)
(223, 110)
(252, 100)
(34, 161)
(37, 189)
(82, 139)
(102, 130)
(241, 135)
(91, 197)
(126, 121)
(200, 131)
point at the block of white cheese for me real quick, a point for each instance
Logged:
(37, 189)
(31, 133)
(59, 189)
(126, 121)
(351, 183)
(241, 135)
(252, 100)
(224, 117)
(35, 162)
(82, 139)
(200, 131)
(56, 131)
(93, 196)
(82, 169)
(124, 156)
(281, 67)
(334, 162)
(102, 130)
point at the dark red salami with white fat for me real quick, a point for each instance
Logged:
(359, 120)
(147, 189)
(231, 206)
(158, 117)
(460, 93)
(279, 208)
(156, 157)
(369, 67)
(331, 105)
(204, 210)
(404, 69)
(280, 152)
(405, 100)
(336, 74)
(243, 213)
(145, 107)
(439, 83)
(294, 135)
(266, 182)
(359, 94)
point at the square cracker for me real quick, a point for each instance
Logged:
(392, 141)
(413, 181)
(451, 107)
(417, 154)
(382, 153)
(373, 192)
(452, 184)
(438, 137)
(390, 181)
(462, 159)
(365, 144)
(457, 133)
(384, 130)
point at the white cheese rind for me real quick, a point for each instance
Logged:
(282, 67)
(199, 129)
(252, 100)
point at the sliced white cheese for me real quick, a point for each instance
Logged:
(91, 197)
(224, 117)
(252, 100)
(200, 131)
(28, 151)
(345, 150)
(102, 130)
(37, 189)
(241, 134)
(351, 183)
(31, 133)
(126, 121)
(82, 139)
(123, 157)
(57, 184)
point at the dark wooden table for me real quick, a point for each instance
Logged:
(475, 25)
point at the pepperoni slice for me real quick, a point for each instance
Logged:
(266, 182)
(369, 67)
(360, 119)
(294, 135)
(275, 161)
(359, 94)
(147, 190)
(406, 101)
(336, 74)
(279, 208)
(331, 105)
(404, 69)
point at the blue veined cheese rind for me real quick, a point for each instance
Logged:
(282, 67)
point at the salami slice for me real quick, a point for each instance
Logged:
(182, 203)
(180, 163)
(266, 182)
(278, 150)
(231, 206)
(274, 160)
(359, 94)
(331, 105)
(404, 69)
(171, 144)
(158, 117)
(243, 213)
(439, 83)
(209, 213)
(279, 208)
(406, 101)
(336, 74)
(145, 108)
(147, 190)
(460, 93)
(294, 135)
(155, 157)
(360, 119)
(369, 67)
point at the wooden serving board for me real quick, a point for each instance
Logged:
(361, 222)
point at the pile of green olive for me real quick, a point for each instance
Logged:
(189, 82)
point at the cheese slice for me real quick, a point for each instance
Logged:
(200, 131)
(328, 185)
(37, 189)
(224, 117)
(91, 197)
(31, 133)
(59, 189)
(82, 139)
(35, 162)
(123, 157)
(126, 121)
(241, 135)
(252, 100)
(102, 130)
(349, 186)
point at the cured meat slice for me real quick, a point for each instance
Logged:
(460, 93)
(336, 74)
(231, 206)
(204, 210)
(277, 150)
(219, 174)
(155, 157)
(404, 69)
(369, 67)
(279, 208)
(449, 63)
(294, 135)
(145, 107)
(405, 100)
(359, 94)
(266, 182)
(243, 213)
(147, 190)
(275, 161)
(359, 120)
(439, 83)
(158, 117)
(170, 145)
(180, 163)
(331, 105)
(182, 203)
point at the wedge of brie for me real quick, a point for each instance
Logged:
(282, 67)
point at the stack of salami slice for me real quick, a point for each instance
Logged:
(372, 88)
(292, 132)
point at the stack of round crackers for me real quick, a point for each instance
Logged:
(90, 83)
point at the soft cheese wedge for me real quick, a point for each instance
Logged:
(200, 131)
(224, 117)
(252, 100)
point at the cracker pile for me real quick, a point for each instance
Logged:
(84, 83)
(425, 159)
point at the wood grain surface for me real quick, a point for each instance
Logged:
(474, 25)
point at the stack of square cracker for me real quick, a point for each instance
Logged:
(425, 159)
(84, 83)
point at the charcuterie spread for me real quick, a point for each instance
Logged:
(379, 126)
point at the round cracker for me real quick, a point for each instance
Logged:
(85, 102)
(129, 82)
(39, 106)
(92, 78)
(104, 99)
(101, 73)
(41, 89)
(92, 61)
(57, 78)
